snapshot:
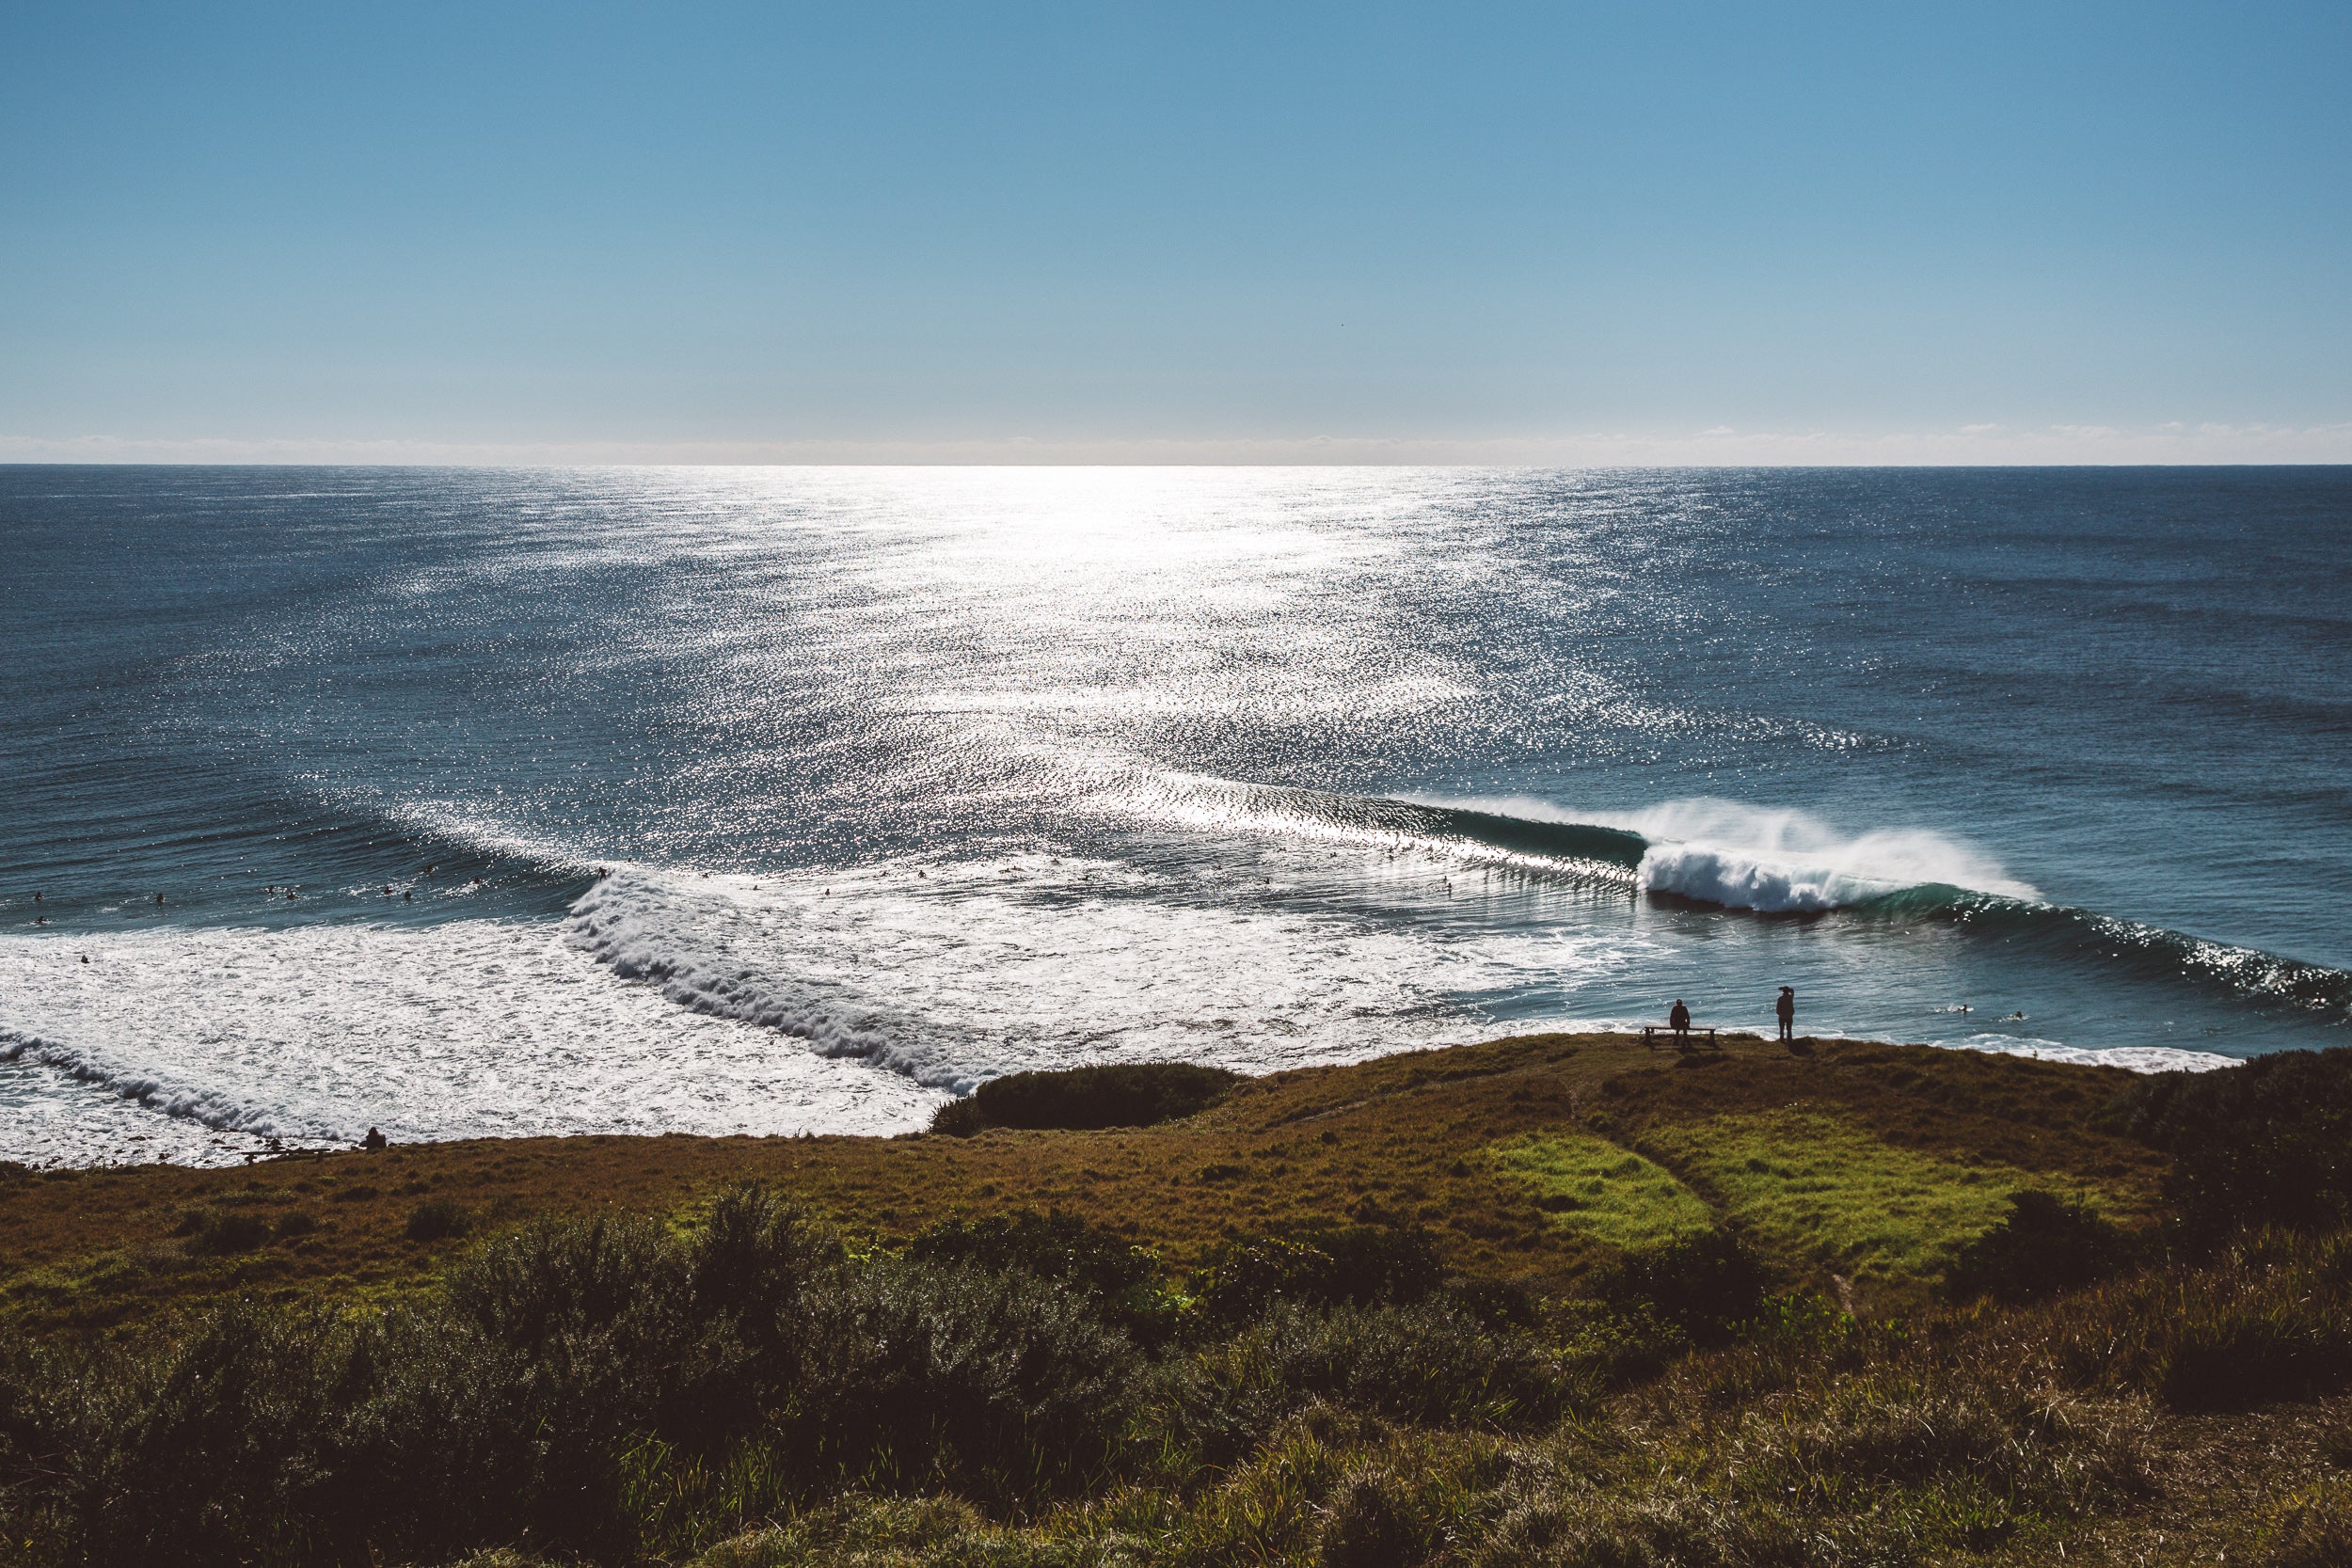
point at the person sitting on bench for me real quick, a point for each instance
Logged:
(1680, 1022)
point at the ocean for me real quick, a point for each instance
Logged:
(485, 802)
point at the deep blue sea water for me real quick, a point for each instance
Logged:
(766, 800)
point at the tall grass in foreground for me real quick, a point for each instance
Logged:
(745, 1392)
(1031, 1390)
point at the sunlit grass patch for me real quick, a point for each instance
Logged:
(1832, 1190)
(1592, 1186)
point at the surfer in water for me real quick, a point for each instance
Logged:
(1786, 1010)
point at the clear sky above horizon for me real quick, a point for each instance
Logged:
(1519, 234)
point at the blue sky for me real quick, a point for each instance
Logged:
(1562, 232)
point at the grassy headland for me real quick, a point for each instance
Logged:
(1555, 1299)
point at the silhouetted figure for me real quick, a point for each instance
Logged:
(36, 897)
(1786, 1008)
(1680, 1022)
(373, 1141)
(159, 899)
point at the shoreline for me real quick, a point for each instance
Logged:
(244, 1147)
(1411, 1134)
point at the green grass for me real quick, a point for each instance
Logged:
(1592, 1186)
(1828, 1189)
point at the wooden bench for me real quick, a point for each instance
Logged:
(1651, 1031)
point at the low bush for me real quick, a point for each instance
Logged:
(2045, 1245)
(996, 1386)
(436, 1219)
(220, 1232)
(2266, 1143)
(1705, 1286)
(1122, 1280)
(1136, 1094)
(1358, 1264)
(2239, 1355)
(2261, 1319)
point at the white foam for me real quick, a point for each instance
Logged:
(1744, 881)
(472, 1028)
(1774, 860)
(842, 1002)
(2135, 1058)
(974, 970)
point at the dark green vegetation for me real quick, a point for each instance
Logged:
(1085, 1098)
(1900, 1308)
(2273, 1138)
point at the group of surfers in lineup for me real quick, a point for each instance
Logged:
(1785, 1008)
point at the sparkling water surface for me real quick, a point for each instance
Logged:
(785, 799)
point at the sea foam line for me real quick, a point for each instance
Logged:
(150, 1089)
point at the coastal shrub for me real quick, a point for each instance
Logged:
(959, 1118)
(221, 1233)
(2268, 1141)
(1369, 1526)
(1357, 1263)
(201, 1447)
(751, 1257)
(1120, 1279)
(453, 1438)
(1615, 1347)
(554, 1279)
(2261, 1319)
(1133, 1094)
(2237, 1355)
(1054, 1246)
(2045, 1245)
(999, 1387)
(1497, 1304)
(436, 1219)
(1705, 1286)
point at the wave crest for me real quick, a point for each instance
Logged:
(1739, 881)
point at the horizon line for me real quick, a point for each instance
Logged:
(2174, 444)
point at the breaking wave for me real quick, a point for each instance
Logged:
(1783, 861)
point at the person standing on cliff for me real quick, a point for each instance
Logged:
(1786, 1008)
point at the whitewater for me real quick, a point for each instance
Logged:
(777, 801)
